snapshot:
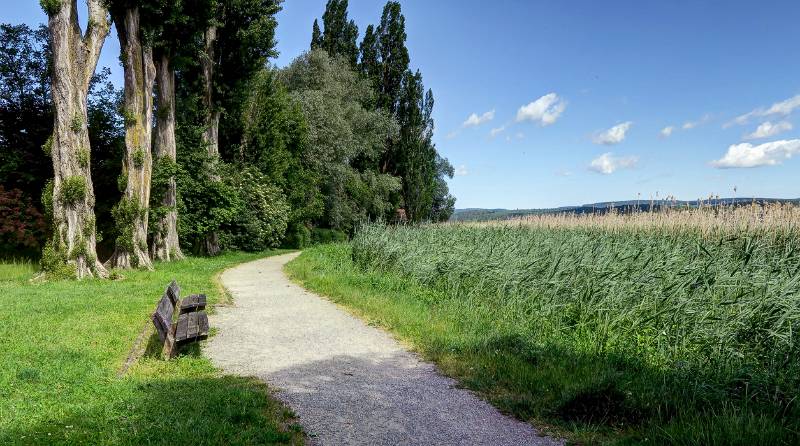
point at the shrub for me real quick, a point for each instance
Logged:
(73, 190)
(22, 225)
(322, 235)
(261, 215)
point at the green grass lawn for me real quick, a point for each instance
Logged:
(590, 398)
(63, 344)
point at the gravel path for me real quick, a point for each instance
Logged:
(349, 383)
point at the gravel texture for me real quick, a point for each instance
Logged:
(349, 383)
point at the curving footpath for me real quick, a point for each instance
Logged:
(348, 383)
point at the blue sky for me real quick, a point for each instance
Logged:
(572, 99)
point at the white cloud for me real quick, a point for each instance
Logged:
(452, 135)
(766, 154)
(688, 125)
(767, 129)
(496, 131)
(614, 135)
(545, 110)
(607, 163)
(666, 132)
(474, 120)
(520, 135)
(783, 108)
(461, 171)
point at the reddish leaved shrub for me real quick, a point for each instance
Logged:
(22, 225)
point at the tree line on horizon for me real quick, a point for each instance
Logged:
(206, 146)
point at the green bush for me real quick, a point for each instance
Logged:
(321, 236)
(73, 190)
(298, 236)
(261, 212)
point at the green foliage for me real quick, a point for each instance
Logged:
(204, 203)
(164, 172)
(47, 147)
(73, 190)
(122, 182)
(339, 36)
(276, 142)
(346, 139)
(393, 56)
(316, 36)
(83, 157)
(126, 213)
(50, 7)
(128, 117)
(245, 41)
(298, 235)
(670, 334)
(321, 236)
(76, 125)
(425, 192)
(261, 216)
(138, 157)
(47, 199)
(54, 262)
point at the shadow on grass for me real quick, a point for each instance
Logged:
(614, 398)
(162, 404)
(224, 410)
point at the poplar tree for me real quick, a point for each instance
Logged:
(238, 39)
(176, 27)
(72, 249)
(340, 35)
(316, 36)
(369, 65)
(131, 213)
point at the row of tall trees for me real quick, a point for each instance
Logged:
(206, 147)
(383, 59)
(216, 45)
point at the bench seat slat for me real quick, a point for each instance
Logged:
(195, 302)
(182, 328)
(192, 327)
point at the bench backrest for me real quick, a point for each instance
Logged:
(173, 292)
(162, 318)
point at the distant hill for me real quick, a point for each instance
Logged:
(480, 214)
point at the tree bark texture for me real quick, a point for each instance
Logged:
(132, 211)
(166, 246)
(211, 133)
(74, 61)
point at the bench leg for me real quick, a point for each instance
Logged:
(169, 351)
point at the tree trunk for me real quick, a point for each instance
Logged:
(132, 211)
(211, 133)
(74, 61)
(165, 245)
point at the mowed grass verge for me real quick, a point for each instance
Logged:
(576, 346)
(62, 345)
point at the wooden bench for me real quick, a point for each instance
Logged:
(192, 323)
(195, 302)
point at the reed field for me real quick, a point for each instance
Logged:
(671, 327)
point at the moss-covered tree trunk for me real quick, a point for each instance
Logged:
(211, 133)
(72, 248)
(165, 245)
(131, 213)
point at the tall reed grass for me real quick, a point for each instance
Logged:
(705, 302)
